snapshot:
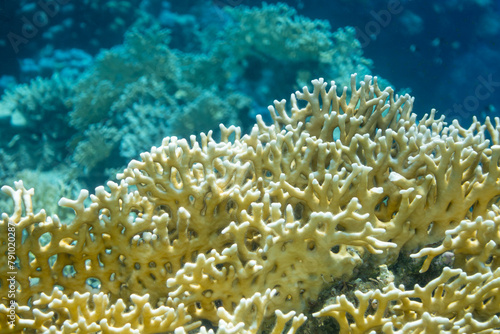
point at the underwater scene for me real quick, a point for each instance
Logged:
(237, 166)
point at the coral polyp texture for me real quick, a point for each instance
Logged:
(248, 234)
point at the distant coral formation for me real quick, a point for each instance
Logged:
(136, 93)
(250, 233)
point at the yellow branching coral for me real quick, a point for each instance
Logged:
(476, 244)
(453, 295)
(251, 227)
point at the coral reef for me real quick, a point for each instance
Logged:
(264, 40)
(278, 31)
(136, 93)
(37, 128)
(241, 231)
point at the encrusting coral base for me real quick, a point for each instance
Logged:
(251, 227)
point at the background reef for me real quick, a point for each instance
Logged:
(176, 71)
